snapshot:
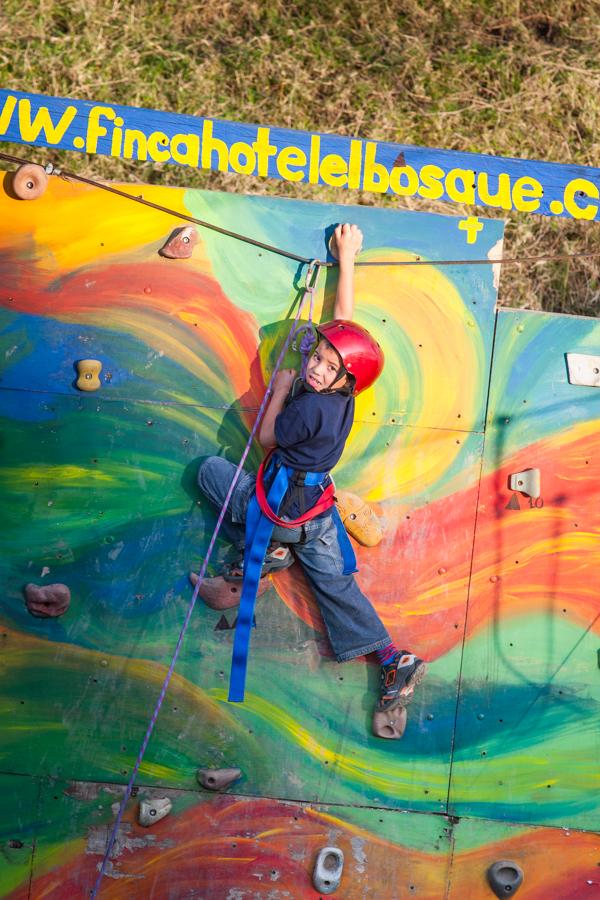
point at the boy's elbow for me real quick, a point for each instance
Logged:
(266, 438)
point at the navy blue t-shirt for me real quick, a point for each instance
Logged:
(311, 433)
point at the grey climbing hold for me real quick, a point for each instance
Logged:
(328, 870)
(218, 779)
(152, 811)
(389, 724)
(505, 877)
(47, 602)
(527, 482)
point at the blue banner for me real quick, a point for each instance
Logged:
(298, 156)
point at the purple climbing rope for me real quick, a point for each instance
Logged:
(312, 277)
(307, 331)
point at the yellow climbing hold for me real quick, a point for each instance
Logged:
(89, 370)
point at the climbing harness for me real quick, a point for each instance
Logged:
(261, 517)
(50, 169)
(271, 462)
(312, 277)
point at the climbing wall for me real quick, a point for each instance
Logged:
(98, 491)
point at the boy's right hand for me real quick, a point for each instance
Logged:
(284, 381)
(348, 240)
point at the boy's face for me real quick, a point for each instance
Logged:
(324, 367)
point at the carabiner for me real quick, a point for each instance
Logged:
(312, 275)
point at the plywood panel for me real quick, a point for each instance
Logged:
(19, 796)
(225, 845)
(556, 862)
(527, 739)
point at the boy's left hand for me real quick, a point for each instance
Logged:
(284, 380)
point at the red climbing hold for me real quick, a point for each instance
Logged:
(47, 602)
(180, 244)
(29, 182)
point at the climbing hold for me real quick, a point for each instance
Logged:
(390, 723)
(180, 244)
(152, 811)
(29, 182)
(526, 482)
(220, 594)
(47, 602)
(359, 519)
(505, 877)
(218, 779)
(222, 624)
(327, 873)
(583, 369)
(89, 370)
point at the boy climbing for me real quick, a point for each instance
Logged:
(304, 430)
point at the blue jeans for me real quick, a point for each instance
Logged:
(353, 626)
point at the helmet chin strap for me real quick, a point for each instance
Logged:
(338, 377)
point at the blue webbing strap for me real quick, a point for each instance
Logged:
(258, 535)
(346, 547)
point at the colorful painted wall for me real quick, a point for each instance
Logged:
(499, 759)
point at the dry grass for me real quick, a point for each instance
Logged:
(509, 78)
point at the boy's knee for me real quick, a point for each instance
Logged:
(206, 472)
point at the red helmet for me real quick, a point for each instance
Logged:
(361, 354)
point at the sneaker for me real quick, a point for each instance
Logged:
(399, 679)
(277, 558)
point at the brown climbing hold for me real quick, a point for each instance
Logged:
(29, 182)
(180, 244)
(47, 602)
(220, 594)
(390, 723)
(218, 779)
(359, 519)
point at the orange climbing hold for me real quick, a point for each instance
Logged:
(359, 519)
(180, 244)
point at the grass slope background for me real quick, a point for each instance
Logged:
(508, 78)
